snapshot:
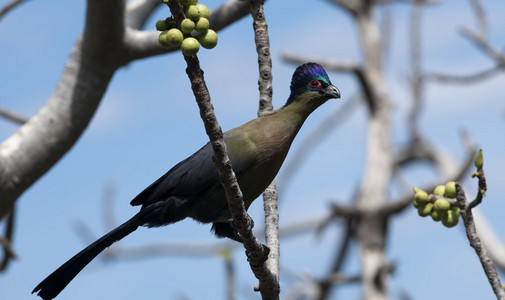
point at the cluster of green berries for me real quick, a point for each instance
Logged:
(437, 206)
(197, 20)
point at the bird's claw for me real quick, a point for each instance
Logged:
(266, 252)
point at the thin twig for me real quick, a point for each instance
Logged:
(417, 80)
(481, 17)
(230, 274)
(326, 284)
(270, 198)
(12, 116)
(475, 242)
(9, 7)
(6, 241)
(465, 79)
(256, 252)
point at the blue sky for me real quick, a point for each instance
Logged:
(148, 121)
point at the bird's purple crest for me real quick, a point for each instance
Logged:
(303, 75)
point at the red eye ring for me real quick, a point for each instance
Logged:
(315, 83)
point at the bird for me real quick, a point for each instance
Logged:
(192, 188)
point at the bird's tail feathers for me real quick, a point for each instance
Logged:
(50, 287)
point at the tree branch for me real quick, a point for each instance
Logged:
(475, 242)
(12, 116)
(46, 137)
(137, 12)
(243, 223)
(9, 6)
(6, 241)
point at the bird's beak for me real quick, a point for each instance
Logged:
(331, 91)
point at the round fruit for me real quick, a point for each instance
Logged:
(161, 25)
(202, 25)
(190, 46)
(416, 204)
(441, 205)
(450, 189)
(162, 39)
(193, 13)
(456, 210)
(208, 39)
(425, 210)
(450, 219)
(421, 197)
(187, 26)
(436, 216)
(174, 37)
(204, 11)
(439, 190)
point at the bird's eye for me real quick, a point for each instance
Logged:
(315, 84)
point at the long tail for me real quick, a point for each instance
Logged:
(50, 287)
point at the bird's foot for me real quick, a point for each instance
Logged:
(266, 252)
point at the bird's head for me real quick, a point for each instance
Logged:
(311, 83)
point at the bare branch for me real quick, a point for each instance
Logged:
(350, 67)
(12, 116)
(481, 17)
(484, 46)
(269, 286)
(46, 137)
(230, 275)
(9, 6)
(5, 241)
(270, 198)
(475, 242)
(326, 284)
(490, 239)
(137, 12)
(465, 79)
(417, 80)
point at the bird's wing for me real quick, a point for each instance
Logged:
(197, 173)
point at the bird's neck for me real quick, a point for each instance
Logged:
(298, 111)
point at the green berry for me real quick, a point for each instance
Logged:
(450, 189)
(161, 25)
(208, 39)
(193, 13)
(174, 37)
(162, 39)
(190, 46)
(202, 25)
(204, 11)
(439, 190)
(422, 197)
(416, 204)
(187, 26)
(456, 210)
(450, 219)
(441, 205)
(425, 210)
(436, 216)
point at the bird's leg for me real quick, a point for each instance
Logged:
(228, 230)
